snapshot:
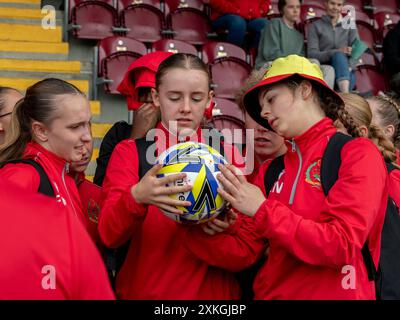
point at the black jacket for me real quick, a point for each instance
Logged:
(391, 51)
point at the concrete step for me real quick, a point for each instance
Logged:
(31, 33)
(30, 4)
(95, 107)
(23, 83)
(95, 154)
(34, 50)
(26, 13)
(100, 129)
(40, 66)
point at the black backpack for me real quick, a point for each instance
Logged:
(45, 185)
(387, 275)
(115, 257)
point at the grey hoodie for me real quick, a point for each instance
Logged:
(324, 40)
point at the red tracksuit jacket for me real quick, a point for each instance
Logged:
(46, 252)
(158, 264)
(56, 168)
(250, 9)
(315, 241)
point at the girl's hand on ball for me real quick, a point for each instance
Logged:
(217, 225)
(243, 196)
(152, 190)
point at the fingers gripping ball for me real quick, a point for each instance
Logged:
(200, 163)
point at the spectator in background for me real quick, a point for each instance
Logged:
(136, 87)
(8, 99)
(238, 17)
(330, 41)
(391, 57)
(280, 38)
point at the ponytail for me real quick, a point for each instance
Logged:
(383, 143)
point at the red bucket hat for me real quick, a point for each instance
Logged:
(141, 73)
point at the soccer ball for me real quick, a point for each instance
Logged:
(200, 163)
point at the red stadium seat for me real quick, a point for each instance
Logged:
(228, 75)
(273, 11)
(370, 59)
(367, 34)
(174, 46)
(143, 21)
(385, 5)
(385, 22)
(369, 80)
(115, 54)
(178, 4)
(310, 13)
(227, 108)
(190, 25)
(215, 50)
(93, 19)
(233, 129)
(360, 5)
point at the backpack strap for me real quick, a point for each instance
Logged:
(142, 145)
(330, 165)
(331, 160)
(45, 185)
(272, 174)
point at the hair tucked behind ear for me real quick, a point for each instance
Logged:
(40, 104)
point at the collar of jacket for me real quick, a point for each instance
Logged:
(327, 19)
(34, 150)
(323, 129)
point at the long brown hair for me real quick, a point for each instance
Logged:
(360, 111)
(39, 104)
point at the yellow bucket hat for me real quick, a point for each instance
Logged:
(283, 68)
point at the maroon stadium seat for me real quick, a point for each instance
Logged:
(273, 11)
(227, 108)
(385, 5)
(360, 5)
(190, 25)
(309, 13)
(178, 4)
(367, 34)
(385, 22)
(369, 58)
(93, 19)
(228, 75)
(214, 50)
(174, 46)
(233, 129)
(115, 54)
(370, 80)
(143, 21)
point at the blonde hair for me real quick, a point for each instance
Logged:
(39, 104)
(389, 112)
(359, 110)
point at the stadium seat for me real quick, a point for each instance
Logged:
(174, 46)
(93, 19)
(273, 11)
(215, 50)
(228, 74)
(367, 34)
(114, 56)
(233, 129)
(142, 21)
(385, 5)
(369, 80)
(385, 22)
(227, 108)
(360, 5)
(190, 25)
(369, 58)
(310, 13)
(178, 4)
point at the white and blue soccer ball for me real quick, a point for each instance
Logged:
(200, 163)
